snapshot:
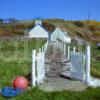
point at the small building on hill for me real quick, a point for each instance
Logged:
(59, 35)
(38, 31)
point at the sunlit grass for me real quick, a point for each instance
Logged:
(14, 62)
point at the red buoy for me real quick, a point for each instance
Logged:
(20, 82)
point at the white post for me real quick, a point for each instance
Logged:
(74, 49)
(42, 48)
(88, 63)
(61, 46)
(68, 52)
(33, 68)
(45, 46)
(64, 49)
(84, 58)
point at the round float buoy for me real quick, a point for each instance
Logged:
(20, 82)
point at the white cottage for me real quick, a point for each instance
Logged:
(38, 31)
(58, 34)
(62, 39)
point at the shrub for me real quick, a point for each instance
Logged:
(78, 23)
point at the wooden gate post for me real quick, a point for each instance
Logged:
(33, 68)
(88, 63)
(74, 49)
(64, 48)
(68, 52)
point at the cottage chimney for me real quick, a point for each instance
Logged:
(58, 27)
(38, 21)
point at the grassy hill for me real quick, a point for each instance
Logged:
(89, 30)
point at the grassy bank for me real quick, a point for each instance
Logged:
(35, 94)
(15, 59)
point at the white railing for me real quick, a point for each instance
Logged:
(38, 65)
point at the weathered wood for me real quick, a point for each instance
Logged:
(68, 52)
(33, 68)
(88, 63)
(74, 49)
(77, 65)
(40, 67)
(64, 49)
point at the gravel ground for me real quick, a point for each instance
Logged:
(54, 68)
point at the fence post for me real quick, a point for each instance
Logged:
(61, 46)
(64, 49)
(68, 52)
(45, 46)
(42, 48)
(88, 63)
(33, 68)
(74, 49)
(83, 65)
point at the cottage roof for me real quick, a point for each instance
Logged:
(38, 31)
(62, 35)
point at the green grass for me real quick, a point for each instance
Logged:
(8, 70)
(13, 62)
(95, 64)
(36, 94)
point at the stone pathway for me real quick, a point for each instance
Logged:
(55, 61)
(61, 84)
(55, 66)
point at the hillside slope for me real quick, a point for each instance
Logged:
(89, 30)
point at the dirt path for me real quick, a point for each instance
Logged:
(54, 68)
(60, 84)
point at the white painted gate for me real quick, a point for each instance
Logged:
(40, 67)
(78, 65)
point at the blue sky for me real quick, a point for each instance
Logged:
(66, 9)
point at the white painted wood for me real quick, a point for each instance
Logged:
(38, 22)
(88, 63)
(38, 32)
(68, 52)
(38, 65)
(62, 46)
(33, 68)
(64, 49)
(74, 49)
(59, 45)
(45, 46)
(60, 35)
(40, 68)
(84, 67)
(77, 66)
(42, 49)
